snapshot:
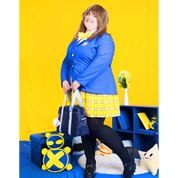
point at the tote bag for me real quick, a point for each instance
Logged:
(73, 118)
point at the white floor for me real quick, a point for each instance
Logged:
(110, 164)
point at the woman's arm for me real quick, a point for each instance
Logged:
(66, 87)
(103, 59)
(64, 76)
(64, 73)
(75, 85)
(66, 65)
(65, 69)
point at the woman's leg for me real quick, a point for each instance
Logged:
(107, 136)
(89, 144)
(110, 138)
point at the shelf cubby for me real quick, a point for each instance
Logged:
(125, 135)
(116, 125)
(141, 138)
(149, 111)
(143, 141)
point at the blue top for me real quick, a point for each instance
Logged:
(89, 62)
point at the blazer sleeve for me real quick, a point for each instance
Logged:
(64, 69)
(103, 59)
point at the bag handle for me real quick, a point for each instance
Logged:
(69, 98)
(75, 95)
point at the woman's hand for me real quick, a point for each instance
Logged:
(75, 85)
(66, 87)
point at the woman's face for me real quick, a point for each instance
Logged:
(90, 22)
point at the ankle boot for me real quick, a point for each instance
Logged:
(90, 170)
(130, 166)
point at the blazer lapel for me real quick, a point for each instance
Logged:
(77, 43)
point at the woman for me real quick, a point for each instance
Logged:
(87, 67)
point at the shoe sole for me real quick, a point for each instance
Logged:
(134, 154)
(89, 176)
(131, 173)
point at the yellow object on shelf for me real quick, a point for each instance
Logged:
(144, 119)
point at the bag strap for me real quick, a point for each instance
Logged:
(75, 96)
(69, 98)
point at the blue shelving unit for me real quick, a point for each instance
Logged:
(141, 138)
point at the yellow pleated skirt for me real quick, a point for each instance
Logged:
(99, 105)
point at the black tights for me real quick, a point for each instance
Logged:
(106, 135)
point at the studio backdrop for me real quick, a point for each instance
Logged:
(46, 29)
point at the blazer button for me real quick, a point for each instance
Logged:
(72, 54)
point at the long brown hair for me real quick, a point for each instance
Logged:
(102, 20)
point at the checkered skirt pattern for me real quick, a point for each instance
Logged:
(99, 105)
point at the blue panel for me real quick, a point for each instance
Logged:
(142, 139)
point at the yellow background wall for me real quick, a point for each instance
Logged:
(46, 29)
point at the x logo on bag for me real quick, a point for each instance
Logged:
(54, 159)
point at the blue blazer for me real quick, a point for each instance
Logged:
(89, 62)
